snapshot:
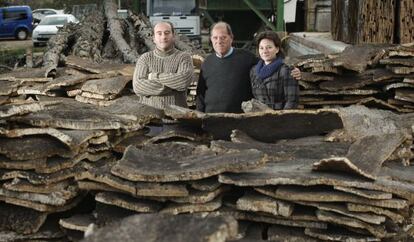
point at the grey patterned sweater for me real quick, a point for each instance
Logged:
(161, 78)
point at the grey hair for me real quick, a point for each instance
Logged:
(222, 24)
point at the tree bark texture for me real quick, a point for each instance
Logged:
(116, 30)
(370, 21)
(89, 43)
(143, 28)
(406, 21)
(56, 46)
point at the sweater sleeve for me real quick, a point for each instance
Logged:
(182, 78)
(201, 90)
(140, 82)
(291, 90)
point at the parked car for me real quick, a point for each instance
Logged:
(49, 26)
(39, 14)
(16, 21)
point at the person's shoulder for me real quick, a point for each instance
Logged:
(211, 57)
(253, 70)
(285, 69)
(183, 53)
(147, 55)
(183, 56)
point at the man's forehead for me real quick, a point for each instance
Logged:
(162, 27)
(220, 31)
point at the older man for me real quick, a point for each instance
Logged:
(224, 81)
(162, 76)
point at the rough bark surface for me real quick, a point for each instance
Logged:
(89, 42)
(162, 227)
(116, 30)
(56, 46)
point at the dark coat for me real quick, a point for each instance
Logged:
(279, 91)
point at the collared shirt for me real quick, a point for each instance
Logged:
(227, 54)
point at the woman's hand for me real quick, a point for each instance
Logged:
(296, 74)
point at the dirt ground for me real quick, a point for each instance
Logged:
(10, 44)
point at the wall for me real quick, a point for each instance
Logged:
(318, 15)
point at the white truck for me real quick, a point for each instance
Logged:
(183, 14)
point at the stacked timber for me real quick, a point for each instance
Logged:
(81, 79)
(123, 41)
(90, 65)
(155, 179)
(15, 85)
(110, 81)
(371, 75)
(331, 174)
(43, 146)
(85, 84)
(73, 140)
(353, 21)
(349, 189)
(164, 227)
(192, 89)
(299, 185)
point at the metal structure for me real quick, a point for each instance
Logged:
(183, 14)
(245, 16)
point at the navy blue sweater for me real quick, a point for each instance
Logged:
(224, 83)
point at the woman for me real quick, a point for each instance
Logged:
(271, 81)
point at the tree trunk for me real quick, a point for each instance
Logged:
(29, 58)
(55, 47)
(115, 28)
(144, 29)
(89, 43)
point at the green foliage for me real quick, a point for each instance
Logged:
(10, 57)
(4, 3)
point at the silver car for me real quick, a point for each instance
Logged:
(49, 27)
(39, 14)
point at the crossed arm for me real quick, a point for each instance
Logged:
(148, 83)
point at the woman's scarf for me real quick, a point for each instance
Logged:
(264, 71)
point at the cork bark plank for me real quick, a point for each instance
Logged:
(152, 227)
(128, 202)
(102, 174)
(138, 165)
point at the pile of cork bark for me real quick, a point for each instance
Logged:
(69, 167)
(311, 187)
(79, 155)
(91, 62)
(373, 75)
(104, 37)
(44, 145)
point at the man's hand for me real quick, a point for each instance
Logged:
(296, 74)
(152, 76)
